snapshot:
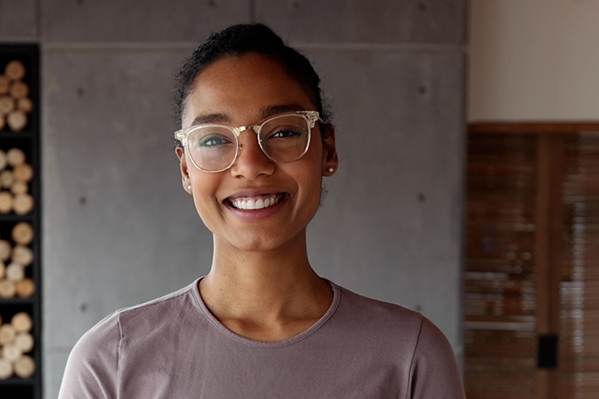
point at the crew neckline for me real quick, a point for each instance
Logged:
(267, 344)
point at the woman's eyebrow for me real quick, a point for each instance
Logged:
(279, 109)
(210, 118)
(268, 111)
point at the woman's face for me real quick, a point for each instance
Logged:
(241, 91)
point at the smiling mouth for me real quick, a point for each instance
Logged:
(255, 203)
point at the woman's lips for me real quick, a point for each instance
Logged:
(255, 202)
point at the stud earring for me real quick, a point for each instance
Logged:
(189, 187)
(331, 170)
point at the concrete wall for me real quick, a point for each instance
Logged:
(117, 227)
(533, 60)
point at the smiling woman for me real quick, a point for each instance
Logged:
(254, 145)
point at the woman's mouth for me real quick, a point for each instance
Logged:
(256, 202)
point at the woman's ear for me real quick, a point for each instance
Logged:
(330, 161)
(184, 171)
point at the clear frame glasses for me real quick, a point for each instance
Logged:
(282, 138)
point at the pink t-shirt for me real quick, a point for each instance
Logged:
(174, 348)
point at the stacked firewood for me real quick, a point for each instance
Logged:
(14, 259)
(15, 175)
(15, 103)
(16, 342)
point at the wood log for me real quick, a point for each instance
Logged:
(4, 84)
(15, 70)
(22, 204)
(7, 334)
(6, 178)
(7, 289)
(24, 341)
(5, 202)
(24, 367)
(23, 172)
(22, 233)
(22, 254)
(5, 250)
(25, 105)
(5, 369)
(11, 353)
(19, 89)
(17, 120)
(25, 288)
(19, 187)
(7, 104)
(15, 156)
(15, 272)
(3, 161)
(21, 322)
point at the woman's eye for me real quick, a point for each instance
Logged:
(214, 141)
(285, 133)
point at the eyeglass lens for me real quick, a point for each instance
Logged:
(283, 139)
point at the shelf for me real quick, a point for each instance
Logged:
(7, 134)
(18, 381)
(17, 301)
(27, 140)
(30, 217)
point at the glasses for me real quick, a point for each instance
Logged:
(282, 138)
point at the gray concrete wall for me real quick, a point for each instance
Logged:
(119, 230)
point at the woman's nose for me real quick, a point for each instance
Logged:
(251, 161)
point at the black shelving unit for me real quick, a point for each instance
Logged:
(28, 140)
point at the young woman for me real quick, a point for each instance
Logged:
(254, 146)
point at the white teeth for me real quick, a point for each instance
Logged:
(252, 203)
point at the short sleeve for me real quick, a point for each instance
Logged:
(434, 373)
(91, 371)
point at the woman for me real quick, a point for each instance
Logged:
(254, 146)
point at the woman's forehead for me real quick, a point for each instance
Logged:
(252, 83)
(246, 69)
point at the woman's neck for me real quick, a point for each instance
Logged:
(266, 296)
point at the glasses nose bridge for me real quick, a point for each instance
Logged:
(238, 130)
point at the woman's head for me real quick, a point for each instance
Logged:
(256, 202)
(239, 40)
(239, 80)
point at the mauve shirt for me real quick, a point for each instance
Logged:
(174, 348)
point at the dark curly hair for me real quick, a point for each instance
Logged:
(249, 38)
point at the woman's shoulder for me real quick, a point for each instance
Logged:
(141, 317)
(404, 336)
(93, 363)
(161, 306)
(374, 310)
(389, 322)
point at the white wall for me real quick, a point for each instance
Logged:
(533, 60)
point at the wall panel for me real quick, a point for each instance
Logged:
(138, 20)
(18, 20)
(363, 21)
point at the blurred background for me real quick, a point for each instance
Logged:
(407, 81)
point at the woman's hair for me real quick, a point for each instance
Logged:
(251, 38)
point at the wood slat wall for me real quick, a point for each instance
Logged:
(579, 287)
(532, 260)
(500, 273)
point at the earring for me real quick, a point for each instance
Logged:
(331, 170)
(189, 187)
